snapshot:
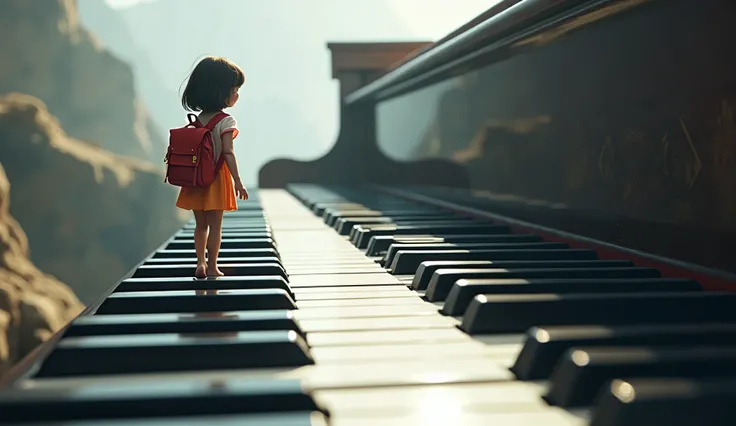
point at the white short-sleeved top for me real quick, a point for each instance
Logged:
(227, 124)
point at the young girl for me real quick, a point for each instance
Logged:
(212, 87)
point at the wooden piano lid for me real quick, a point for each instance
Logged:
(357, 64)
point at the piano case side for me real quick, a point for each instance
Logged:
(356, 158)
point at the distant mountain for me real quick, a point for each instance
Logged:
(113, 32)
(289, 105)
(47, 54)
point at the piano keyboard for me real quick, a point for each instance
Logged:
(355, 307)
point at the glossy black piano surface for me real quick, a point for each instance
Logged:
(530, 284)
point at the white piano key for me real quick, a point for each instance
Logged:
(386, 301)
(299, 291)
(408, 401)
(548, 417)
(377, 324)
(326, 376)
(366, 311)
(375, 279)
(438, 335)
(450, 350)
(391, 294)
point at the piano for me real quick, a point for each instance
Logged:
(526, 223)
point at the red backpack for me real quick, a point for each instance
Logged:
(190, 158)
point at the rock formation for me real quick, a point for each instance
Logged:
(90, 215)
(115, 34)
(46, 53)
(33, 305)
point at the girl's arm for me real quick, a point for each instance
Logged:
(232, 164)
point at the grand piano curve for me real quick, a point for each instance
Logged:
(355, 157)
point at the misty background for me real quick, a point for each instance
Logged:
(289, 104)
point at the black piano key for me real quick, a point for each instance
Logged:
(230, 269)
(363, 234)
(155, 398)
(379, 245)
(344, 225)
(385, 205)
(236, 222)
(229, 234)
(232, 228)
(464, 291)
(324, 210)
(400, 248)
(247, 228)
(666, 401)
(443, 279)
(299, 418)
(224, 253)
(582, 372)
(408, 262)
(193, 260)
(203, 322)
(219, 283)
(227, 223)
(151, 302)
(231, 231)
(545, 345)
(332, 217)
(148, 353)
(427, 269)
(236, 243)
(517, 313)
(319, 208)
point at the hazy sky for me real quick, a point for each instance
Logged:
(307, 100)
(430, 19)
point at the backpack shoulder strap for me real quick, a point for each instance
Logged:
(216, 119)
(194, 120)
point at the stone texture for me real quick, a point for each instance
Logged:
(33, 305)
(90, 215)
(46, 53)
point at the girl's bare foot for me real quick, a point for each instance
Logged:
(201, 271)
(214, 272)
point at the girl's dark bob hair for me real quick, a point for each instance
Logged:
(210, 84)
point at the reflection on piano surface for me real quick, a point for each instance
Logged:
(465, 255)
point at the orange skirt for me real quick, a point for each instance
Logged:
(218, 196)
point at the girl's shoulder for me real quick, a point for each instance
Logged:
(228, 122)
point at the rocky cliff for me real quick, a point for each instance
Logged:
(115, 34)
(90, 215)
(33, 305)
(46, 53)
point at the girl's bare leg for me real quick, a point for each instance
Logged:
(214, 221)
(200, 243)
